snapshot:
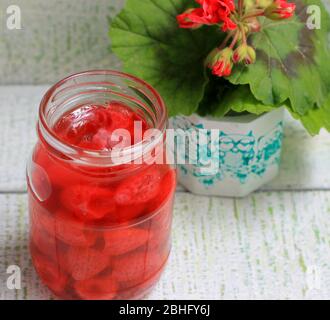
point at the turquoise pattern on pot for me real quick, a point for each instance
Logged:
(240, 156)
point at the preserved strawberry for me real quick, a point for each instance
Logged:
(140, 188)
(98, 288)
(84, 263)
(119, 242)
(88, 202)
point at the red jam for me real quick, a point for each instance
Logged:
(97, 233)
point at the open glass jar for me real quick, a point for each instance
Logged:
(100, 201)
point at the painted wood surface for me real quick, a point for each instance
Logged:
(273, 244)
(270, 245)
(57, 38)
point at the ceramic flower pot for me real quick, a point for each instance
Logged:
(249, 153)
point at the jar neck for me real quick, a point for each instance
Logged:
(100, 88)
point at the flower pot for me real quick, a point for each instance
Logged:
(249, 153)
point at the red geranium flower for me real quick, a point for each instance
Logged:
(280, 9)
(211, 12)
(191, 19)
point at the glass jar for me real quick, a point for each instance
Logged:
(100, 216)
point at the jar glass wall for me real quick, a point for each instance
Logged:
(100, 216)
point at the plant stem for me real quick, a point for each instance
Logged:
(232, 45)
(254, 14)
(243, 34)
(240, 7)
(224, 42)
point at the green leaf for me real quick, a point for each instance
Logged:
(293, 63)
(240, 99)
(211, 102)
(316, 119)
(222, 97)
(146, 37)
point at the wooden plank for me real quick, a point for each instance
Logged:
(19, 110)
(305, 163)
(57, 38)
(305, 160)
(268, 245)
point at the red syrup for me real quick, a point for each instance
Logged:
(98, 233)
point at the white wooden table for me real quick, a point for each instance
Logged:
(273, 244)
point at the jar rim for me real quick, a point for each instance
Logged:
(87, 155)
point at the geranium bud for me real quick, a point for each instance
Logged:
(249, 4)
(264, 3)
(222, 63)
(280, 9)
(213, 57)
(244, 53)
(240, 53)
(254, 25)
(251, 56)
